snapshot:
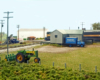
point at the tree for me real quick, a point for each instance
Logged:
(96, 26)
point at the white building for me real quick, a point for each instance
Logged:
(38, 33)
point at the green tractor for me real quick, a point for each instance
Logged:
(23, 56)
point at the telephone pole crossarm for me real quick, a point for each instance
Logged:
(8, 12)
(7, 17)
(82, 25)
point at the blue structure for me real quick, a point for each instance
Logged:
(48, 36)
(47, 39)
(91, 36)
(73, 41)
(14, 41)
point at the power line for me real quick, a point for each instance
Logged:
(7, 27)
(1, 28)
(78, 28)
(82, 24)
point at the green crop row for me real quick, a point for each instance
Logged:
(22, 71)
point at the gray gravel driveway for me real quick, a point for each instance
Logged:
(18, 48)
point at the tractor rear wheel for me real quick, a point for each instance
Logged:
(20, 57)
(36, 60)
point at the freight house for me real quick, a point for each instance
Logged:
(25, 33)
(58, 36)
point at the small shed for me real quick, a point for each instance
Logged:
(58, 36)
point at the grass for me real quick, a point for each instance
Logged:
(87, 57)
(97, 43)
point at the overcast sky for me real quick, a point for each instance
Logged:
(52, 14)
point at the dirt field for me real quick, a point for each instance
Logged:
(52, 49)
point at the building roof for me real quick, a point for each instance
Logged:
(71, 31)
(62, 31)
(31, 29)
(92, 31)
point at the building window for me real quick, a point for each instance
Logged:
(55, 36)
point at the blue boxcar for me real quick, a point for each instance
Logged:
(71, 41)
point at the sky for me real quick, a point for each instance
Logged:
(51, 14)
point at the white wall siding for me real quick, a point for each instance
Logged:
(28, 33)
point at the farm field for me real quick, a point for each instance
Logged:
(88, 57)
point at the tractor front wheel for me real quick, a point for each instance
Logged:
(20, 57)
(36, 60)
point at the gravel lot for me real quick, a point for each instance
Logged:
(49, 49)
(18, 48)
(52, 49)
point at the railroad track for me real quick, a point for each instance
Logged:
(16, 46)
(35, 42)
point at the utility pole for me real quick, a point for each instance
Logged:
(18, 31)
(44, 31)
(82, 25)
(1, 28)
(78, 28)
(7, 27)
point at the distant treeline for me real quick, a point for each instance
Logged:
(4, 36)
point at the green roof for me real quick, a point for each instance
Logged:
(71, 31)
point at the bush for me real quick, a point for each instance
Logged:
(24, 39)
(39, 72)
(39, 38)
